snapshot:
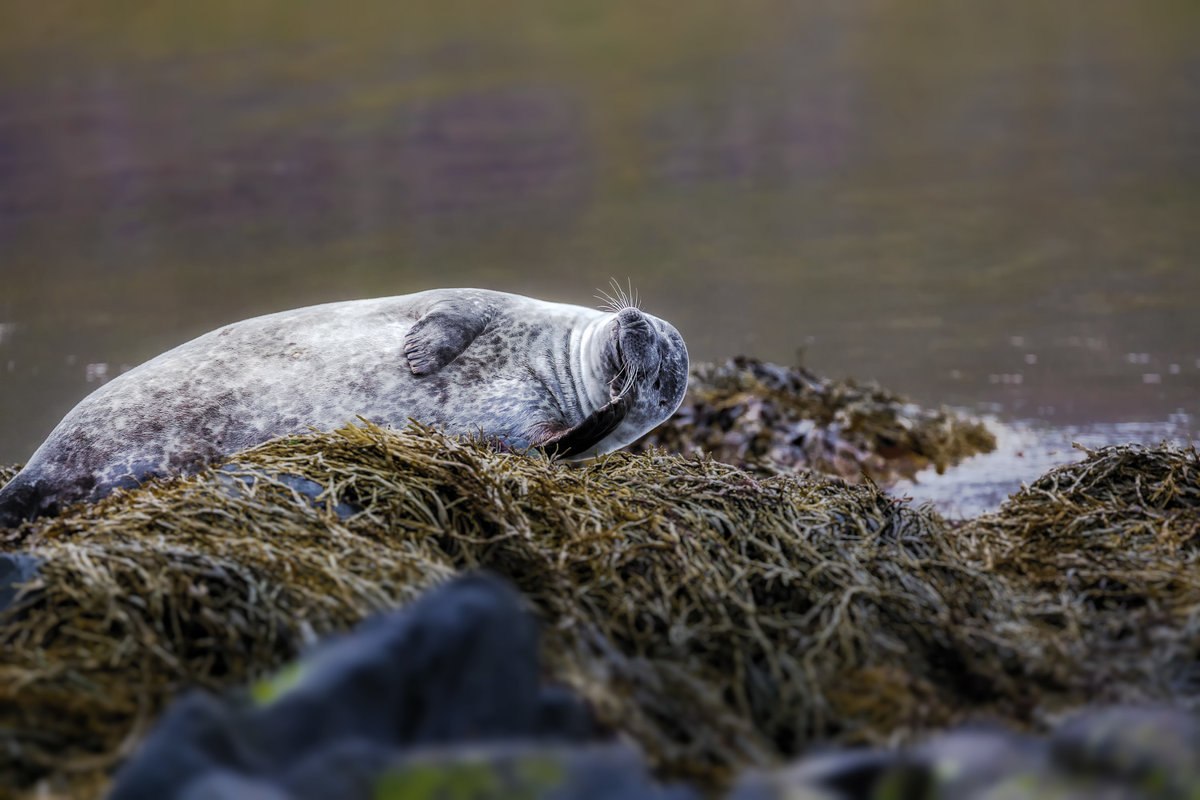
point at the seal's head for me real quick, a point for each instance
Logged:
(644, 363)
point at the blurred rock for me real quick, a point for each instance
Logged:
(595, 772)
(1120, 753)
(967, 761)
(1155, 749)
(15, 569)
(459, 665)
(836, 775)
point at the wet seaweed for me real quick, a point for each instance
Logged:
(1107, 550)
(718, 618)
(7, 472)
(771, 419)
(721, 619)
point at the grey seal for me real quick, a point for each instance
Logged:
(577, 381)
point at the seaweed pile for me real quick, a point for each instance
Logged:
(720, 619)
(771, 419)
(1107, 551)
(446, 699)
(7, 472)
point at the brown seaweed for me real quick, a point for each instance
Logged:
(772, 419)
(720, 619)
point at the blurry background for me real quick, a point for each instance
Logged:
(989, 204)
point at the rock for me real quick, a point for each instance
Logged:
(222, 785)
(839, 774)
(1156, 749)
(470, 772)
(459, 665)
(198, 736)
(606, 772)
(835, 775)
(1121, 753)
(1050, 786)
(15, 569)
(239, 477)
(965, 762)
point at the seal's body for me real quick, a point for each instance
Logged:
(575, 380)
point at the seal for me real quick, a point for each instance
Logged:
(577, 381)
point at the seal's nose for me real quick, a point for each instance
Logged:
(631, 317)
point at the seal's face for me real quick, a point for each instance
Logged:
(647, 362)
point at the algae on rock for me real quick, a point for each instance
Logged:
(772, 419)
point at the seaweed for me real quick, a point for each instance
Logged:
(8, 471)
(1107, 551)
(772, 419)
(720, 619)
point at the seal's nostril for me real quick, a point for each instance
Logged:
(631, 316)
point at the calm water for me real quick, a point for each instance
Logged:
(989, 204)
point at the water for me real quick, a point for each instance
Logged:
(1025, 450)
(993, 205)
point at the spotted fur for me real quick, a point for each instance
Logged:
(527, 372)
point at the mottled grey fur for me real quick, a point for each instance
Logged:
(524, 371)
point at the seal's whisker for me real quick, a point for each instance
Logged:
(633, 376)
(630, 379)
(620, 291)
(625, 378)
(618, 377)
(609, 303)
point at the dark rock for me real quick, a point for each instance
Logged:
(466, 772)
(964, 762)
(198, 735)
(239, 476)
(550, 772)
(1154, 748)
(459, 665)
(232, 786)
(1049, 785)
(15, 569)
(840, 774)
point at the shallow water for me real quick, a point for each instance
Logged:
(1026, 450)
(992, 205)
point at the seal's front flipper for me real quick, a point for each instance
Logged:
(443, 333)
(587, 434)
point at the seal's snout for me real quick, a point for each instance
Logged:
(637, 342)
